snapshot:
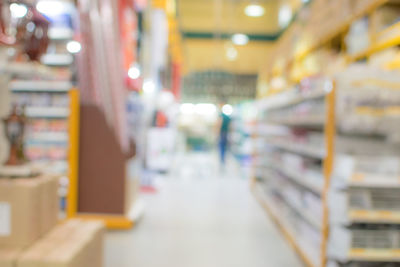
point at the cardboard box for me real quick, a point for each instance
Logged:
(9, 256)
(28, 209)
(50, 203)
(76, 243)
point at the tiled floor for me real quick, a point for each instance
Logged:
(201, 218)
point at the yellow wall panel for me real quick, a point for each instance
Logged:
(202, 55)
(207, 16)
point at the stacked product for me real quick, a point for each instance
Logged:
(290, 160)
(29, 234)
(44, 92)
(365, 193)
(293, 168)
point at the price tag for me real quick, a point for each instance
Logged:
(5, 219)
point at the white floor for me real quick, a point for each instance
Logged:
(201, 218)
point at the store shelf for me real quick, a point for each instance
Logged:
(394, 41)
(57, 60)
(306, 121)
(28, 69)
(266, 203)
(59, 137)
(374, 181)
(374, 255)
(342, 27)
(47, 112)
(303, 149)
(60, 34)
(305, 215)
(298, 178)
(292, 98)
(40, 86)
(369, 216)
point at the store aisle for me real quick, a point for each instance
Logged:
(201, 219)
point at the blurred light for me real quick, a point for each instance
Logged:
(205, 109)
(50, 7)
(254, 10)
(18, 10)
(134, 72)
(165, 100)
(285, 16)
(240, 39)
(227, 109)
(30, 27)
(187, 108)
(278, 83)
(305, 1)
(231, 53)
(74, 47)
(149, 87)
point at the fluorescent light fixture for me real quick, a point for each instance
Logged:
(18, 10)
(187, 108)
(240, 39)
(134, 72)
(254, 10)
(227, 109)
(231, 53)
(205, 109)
(50, 7)
(149, 87)
(285, 16)
(74, 47)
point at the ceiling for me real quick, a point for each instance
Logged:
(226, 16)
(207, 26)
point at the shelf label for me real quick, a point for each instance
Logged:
(5, 219)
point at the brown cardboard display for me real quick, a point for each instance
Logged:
(9, 256)
(76, 243)
(33, 209)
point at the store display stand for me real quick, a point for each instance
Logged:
(112, 220)
(329, 130)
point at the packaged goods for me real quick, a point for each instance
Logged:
(76, 243)
(28, 209)
(9, 256)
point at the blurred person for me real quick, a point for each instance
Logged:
(223, 142)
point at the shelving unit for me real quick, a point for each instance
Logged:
(355, 214)
(320, 155)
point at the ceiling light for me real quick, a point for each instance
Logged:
(134, 72)
(18, 10)
(240, 39)
(149, 87)
(285, 16)
(254, 10)
(74, 47)
(50, 7)
(231, 54)
(187, 108)
(227, 109)
(205, 109)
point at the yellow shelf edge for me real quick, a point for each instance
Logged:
(112, 222)
(374, 49)
(374, 216)
(374, 254)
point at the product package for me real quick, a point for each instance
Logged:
(76, 243)
(9, 256)
(28, 209)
